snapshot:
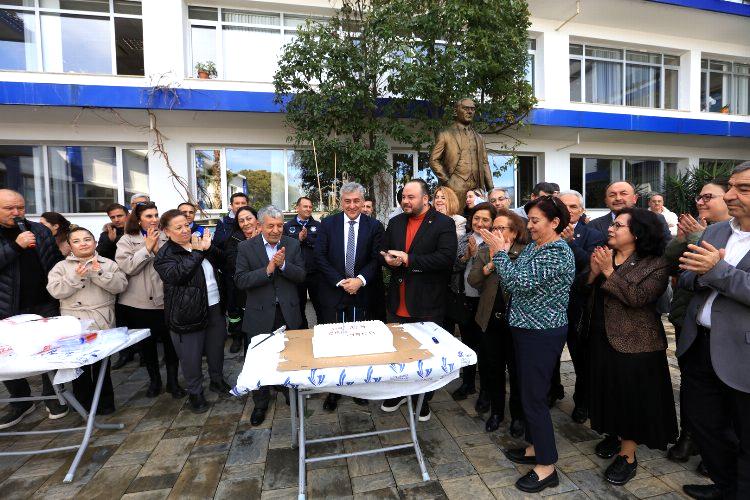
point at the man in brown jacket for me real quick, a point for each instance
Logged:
(459, 158)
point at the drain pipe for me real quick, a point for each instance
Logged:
(578, 11)
(578, 141)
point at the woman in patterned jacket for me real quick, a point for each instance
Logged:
(539, 281)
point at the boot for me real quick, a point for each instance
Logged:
(198, 403)
(683, 449)
(173, 386)
(154, 386)
(236, 343)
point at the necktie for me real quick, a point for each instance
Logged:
(350, 250)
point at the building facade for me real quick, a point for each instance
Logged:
(100, 99)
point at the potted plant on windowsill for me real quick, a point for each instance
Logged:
(206, 70)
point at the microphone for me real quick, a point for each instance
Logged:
(22, 226)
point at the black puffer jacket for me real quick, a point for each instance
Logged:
(10, 276)
(185, 293)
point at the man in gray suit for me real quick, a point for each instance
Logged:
(714, 346)
(269, 268)
(619, 195)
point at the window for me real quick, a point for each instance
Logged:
(268, 176)
(725, 87)
(73, 179)
(74, 36)
(591, 176)
(517, 175)
(227, 36)
(530, 72)
(604, 75)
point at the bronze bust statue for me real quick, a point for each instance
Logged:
(459, 158)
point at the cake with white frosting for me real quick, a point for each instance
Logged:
(351, 339)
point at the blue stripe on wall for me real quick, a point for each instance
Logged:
(721, 6)
(102, 96)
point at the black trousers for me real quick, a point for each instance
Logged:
(309, 287)
(85, 385)
(471, 335)
(580, 354)
(537, 351)
(19, 388)
(497, 346)
(191, 346)
(719, 418)
(262, 396)
(152, 319)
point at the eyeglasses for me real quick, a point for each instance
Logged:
(706, 197)
(618, 225)
(500, 228)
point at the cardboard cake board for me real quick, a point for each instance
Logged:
(298, 352)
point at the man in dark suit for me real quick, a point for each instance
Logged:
(304, 228)
(582, 239)
(420, 248)
(269, 268)
(619, 195)
(347, 256)
(714, 346)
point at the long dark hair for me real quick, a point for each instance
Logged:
(648, 231)
(63, 225)
(133, 226)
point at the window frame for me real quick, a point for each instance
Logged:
(218, 25)
(734, 75)
(38, 11)
(43, 149)
(663, 67)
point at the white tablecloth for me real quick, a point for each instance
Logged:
(67, 362)
(369, 382)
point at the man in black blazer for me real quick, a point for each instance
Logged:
(347, 256)
(619, 195)
(269, 268)
(582, 239)
(420, 247)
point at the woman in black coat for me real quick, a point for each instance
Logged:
(245, 227)
(192, 305)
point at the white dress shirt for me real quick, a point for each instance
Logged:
(738, 245)
(271, 250)
(346, 239)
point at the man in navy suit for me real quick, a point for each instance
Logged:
(582, 239)
(346, 254)
(619, 195)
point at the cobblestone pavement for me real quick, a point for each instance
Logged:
(166, 451)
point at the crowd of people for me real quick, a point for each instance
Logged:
(515, 284)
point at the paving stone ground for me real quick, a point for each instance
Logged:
(165, 451)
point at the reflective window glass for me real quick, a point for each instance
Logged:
(82, 178)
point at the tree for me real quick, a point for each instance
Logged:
(382, 72)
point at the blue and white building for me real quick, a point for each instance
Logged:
(96, 94)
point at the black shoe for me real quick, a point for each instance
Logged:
(517, 428)
(518, 455)
(236, 344)
(424, 413)
(580, 415)
(703, 491)
(483, 403)
(683, 449)
(463, 392)
(105, 410)
(620, 471)
(608, 447)
(360, 402)
(220, 387)
(258, 416)
(122, 360)
(154, 385)
(554, 396)
(392, 404)
(530, 483)
(198, 403)
(56, 410)
(173, 386)
(16, 413)
(331, 402)
(702, 470)
(493, 423)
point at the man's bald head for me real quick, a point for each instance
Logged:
(11, 206)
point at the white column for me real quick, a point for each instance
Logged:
(553, 85)
(164, 190)
(554, 166)
(690, 81)
(164, 40)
